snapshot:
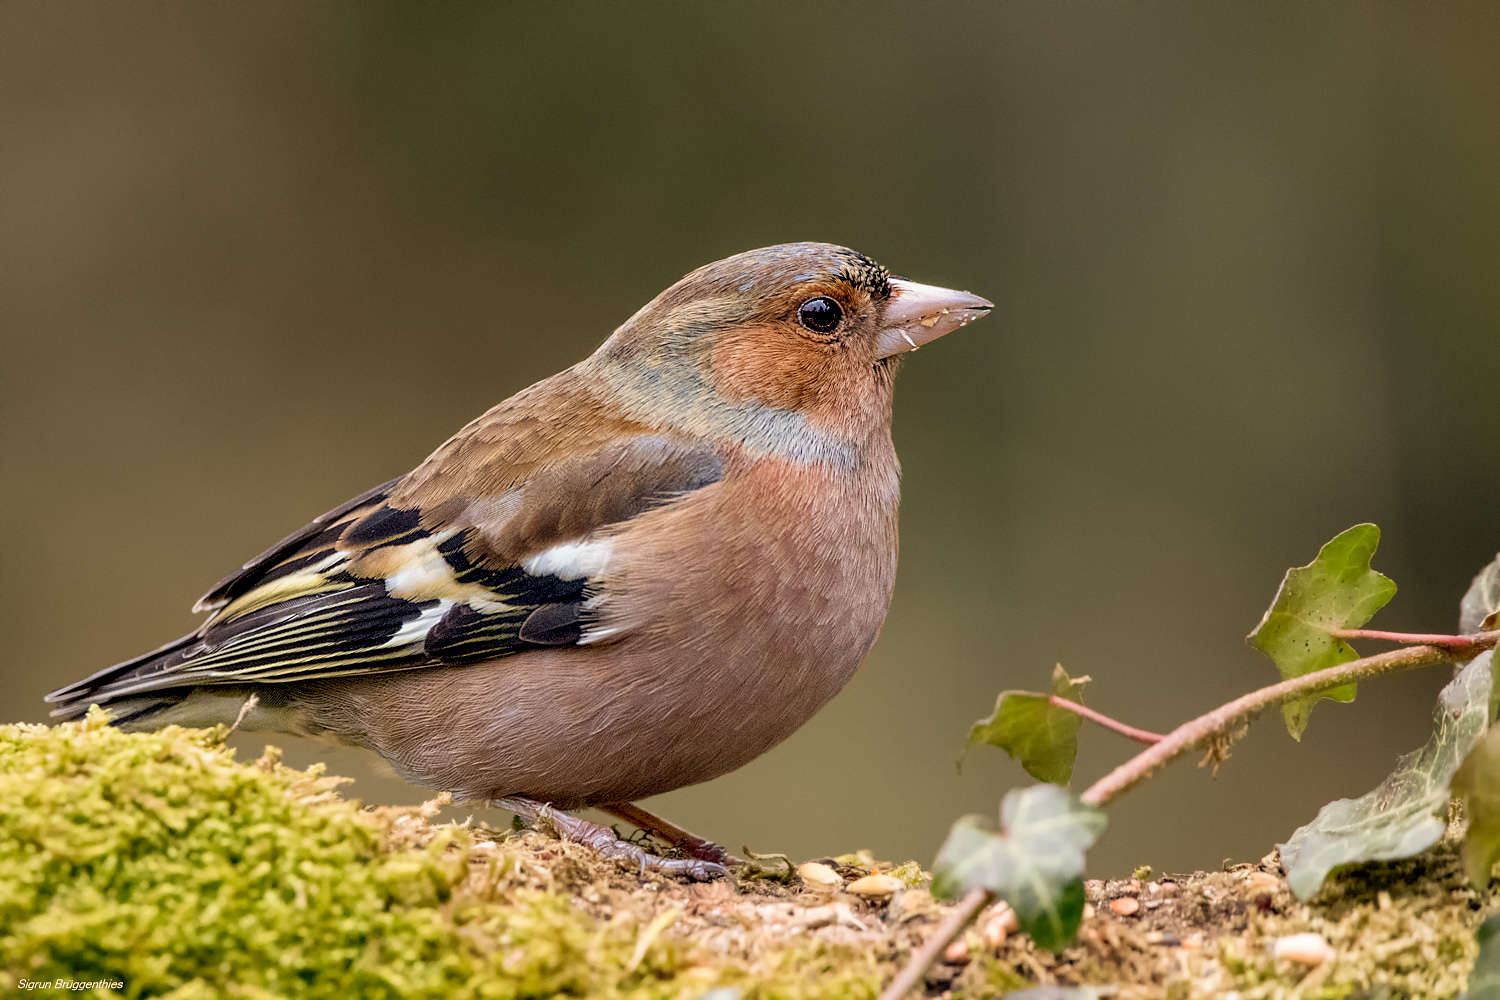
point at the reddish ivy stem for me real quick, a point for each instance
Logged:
(1224, 718)
(1461, 643)
(1129, 732)
(1179, 741)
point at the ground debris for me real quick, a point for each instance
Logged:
(1401, 929)
(750, 923)
(467, 910)
(1404, 927)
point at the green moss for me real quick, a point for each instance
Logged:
(1405, 926)
(159, 861)
(910, 874)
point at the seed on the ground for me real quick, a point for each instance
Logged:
(1167, 887)
(1193, 941)
(1304, 949)
(1125, 906)
(1088, 911)
(998, 923)
(1258, 882)
(875, 887)
(819, 877)
(957, 953)
(994, 934)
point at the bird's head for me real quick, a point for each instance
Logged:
(806, 329)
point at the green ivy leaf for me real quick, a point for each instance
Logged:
(1484, 978)
(1407, 813)
(1478, 781)
(1026, 725)
(1477, 611)
(1337, 590)
(1035, 863)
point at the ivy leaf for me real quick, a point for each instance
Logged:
(1337, 590)
(1484, 978)
(1478, 781)
(1026, 725)
(1035, 863)
(1477, 611)
(1407, 813)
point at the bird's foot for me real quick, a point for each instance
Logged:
(690, 844)
(602, 840)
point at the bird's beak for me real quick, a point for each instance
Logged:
(919, 313)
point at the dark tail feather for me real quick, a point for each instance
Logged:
(127, 713)
(74, 700)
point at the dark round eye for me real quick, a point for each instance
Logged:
(820, 314)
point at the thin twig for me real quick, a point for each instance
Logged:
(1129, 732)
(958, 918)
(1461, 643)
(1226, 717)
(1165, 749)
(245, 710)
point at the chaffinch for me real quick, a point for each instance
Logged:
(638, 574)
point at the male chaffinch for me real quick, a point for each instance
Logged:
(638, 574)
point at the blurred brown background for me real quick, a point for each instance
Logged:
(255, 258)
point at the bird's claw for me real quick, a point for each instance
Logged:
(618, 850)
(602, 840)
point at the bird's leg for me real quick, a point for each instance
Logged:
(603, 840)
(690, 844)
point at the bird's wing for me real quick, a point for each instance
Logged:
(469, 558)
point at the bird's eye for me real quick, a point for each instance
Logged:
(820, 314)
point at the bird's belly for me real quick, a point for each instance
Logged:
(734, 643)
(581, 725)
(568, 727)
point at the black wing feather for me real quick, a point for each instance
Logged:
(252, 574)
(330, 601)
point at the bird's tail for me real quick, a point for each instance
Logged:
(133, 710)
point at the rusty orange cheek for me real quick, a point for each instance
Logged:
(771, 366)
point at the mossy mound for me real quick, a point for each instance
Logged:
(159, 862)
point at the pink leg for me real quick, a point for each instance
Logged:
(690, 844)
(604, 841)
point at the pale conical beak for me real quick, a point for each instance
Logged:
(918, 313)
